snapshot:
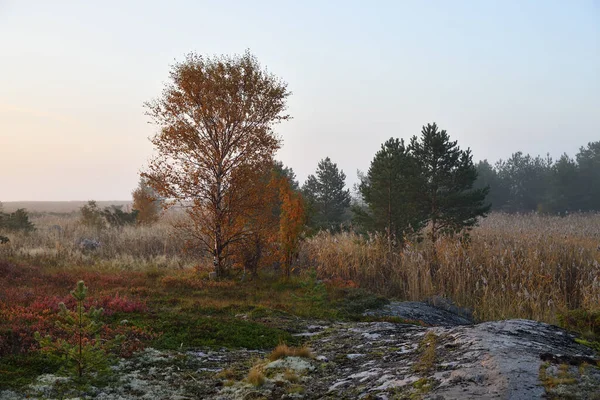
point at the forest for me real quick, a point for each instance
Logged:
(523, 183)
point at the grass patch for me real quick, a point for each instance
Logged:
(283, 350)
(254, 314)
(291, 376)
(194, 331)
(355, 301)
(564, 377)
(584, 322)
(256, 377)
(427, 357)
(21, 370)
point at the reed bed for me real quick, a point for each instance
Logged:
(514, 266)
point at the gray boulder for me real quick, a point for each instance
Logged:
(89, 244)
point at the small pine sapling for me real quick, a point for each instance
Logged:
(83, 351)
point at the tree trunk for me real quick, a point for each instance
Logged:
(218, 250)
(389, 230)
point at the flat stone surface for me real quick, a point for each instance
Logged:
(369, 360)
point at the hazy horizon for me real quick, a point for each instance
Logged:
(500, 77)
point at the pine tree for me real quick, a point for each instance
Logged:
(326, 197)
(389, 193)
(283, 170)
(16, 221)
(450, 204)
(588, 160)
(84, 352)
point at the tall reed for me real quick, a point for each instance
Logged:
(514, 266)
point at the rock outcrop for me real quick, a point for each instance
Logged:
(454, 359)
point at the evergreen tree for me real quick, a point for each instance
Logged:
(450, 203)
(527, 181)
(16, 221)
(288, 172)
(84, 352)
(326, 197)
(565, 192)
(487, 175)
(524, 183)
(116, 217)
(389, 193)
(588, 160)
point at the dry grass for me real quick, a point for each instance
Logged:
(525, 266)
(283, 350)
(55, 242)
(291, 376)
(58, 207)
(256, 376)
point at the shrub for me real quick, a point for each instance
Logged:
(16, 221)
(116, 217)
(147, 202)
(91, 216)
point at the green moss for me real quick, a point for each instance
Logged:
(19, 371)
(591, 344)
(427, 352)
(189, 332)
(355, 301)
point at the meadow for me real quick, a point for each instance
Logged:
(512, 266)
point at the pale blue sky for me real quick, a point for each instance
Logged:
(500, 76)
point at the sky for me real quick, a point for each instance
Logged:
(499, 76)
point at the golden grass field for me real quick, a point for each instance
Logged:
(525, 266)
(515, 266)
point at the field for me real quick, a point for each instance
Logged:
(512, 266)
(57, 207)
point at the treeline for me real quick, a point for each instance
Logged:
(427, 182)
(524, 183)
(431, 182)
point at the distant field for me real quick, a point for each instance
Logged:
(56, 206)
